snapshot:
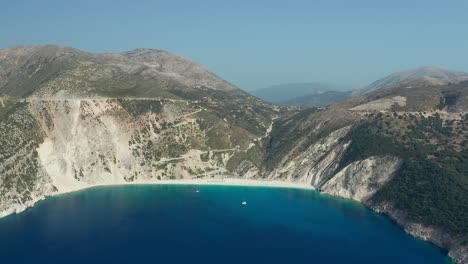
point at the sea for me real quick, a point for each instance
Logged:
(206, 224)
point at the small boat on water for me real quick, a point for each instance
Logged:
(197, 191)
(244, 203)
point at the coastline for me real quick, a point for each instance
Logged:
(223, 182)
(219, 182)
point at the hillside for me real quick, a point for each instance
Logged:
(71, 119)
(411, 96)
(401, 151)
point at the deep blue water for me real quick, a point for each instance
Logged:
(175, 224)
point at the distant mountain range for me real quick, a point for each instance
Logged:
(430, 74)
(319, 95)
(318, 99)
(284, 92)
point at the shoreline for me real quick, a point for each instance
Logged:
(215, 182)
(206, 182)
(221, 182)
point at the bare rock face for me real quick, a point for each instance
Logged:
(459, 253)
(319, 166)
(361, 179)
(318, 163)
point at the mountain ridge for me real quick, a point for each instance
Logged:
(33, 66)
(318, 99)
(427, 75)
(283, 92)
(433, 75)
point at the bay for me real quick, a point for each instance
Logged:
(206, 224)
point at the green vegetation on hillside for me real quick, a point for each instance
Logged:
(255, 155)
(432, 184)
(138, 107)
(19, 161)
(5, 108)
(281, 139)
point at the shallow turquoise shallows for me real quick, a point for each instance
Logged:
(177, 224)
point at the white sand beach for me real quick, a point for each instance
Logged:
(234, 182)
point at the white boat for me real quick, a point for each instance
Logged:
(197, 191)
(244, 202)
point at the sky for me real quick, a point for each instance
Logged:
(255, 44)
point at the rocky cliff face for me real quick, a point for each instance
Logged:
(320, 166)
(362, 179)
(457, 251)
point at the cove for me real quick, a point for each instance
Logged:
(177, 224)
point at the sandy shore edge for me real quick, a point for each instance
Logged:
(211, 181)
(222, 182)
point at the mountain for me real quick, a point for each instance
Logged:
(318, 99)
(53, 71)
(431, 75)
(284, 92)
(70, 120)
(412, 96)
(401, 151)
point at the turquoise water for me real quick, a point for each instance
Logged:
(176, 224)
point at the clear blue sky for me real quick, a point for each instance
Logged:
(258, 43)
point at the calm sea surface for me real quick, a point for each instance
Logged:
(177, 224)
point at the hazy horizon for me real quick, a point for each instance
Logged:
(256, 44)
